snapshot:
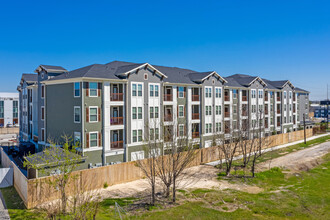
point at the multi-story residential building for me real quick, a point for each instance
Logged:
(111, 109)
(9, 109)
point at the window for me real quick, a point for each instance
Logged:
(234, 93)
(145, 76)
(77, 114)
(208, 128)
(42, 134)
(208, 110)
(151, 134)
(290, 94)
(140, 135)
(285, 95)
(156, 112)
(272, 121)
(254, 108)
(181, 92)
(15, 109)
(181, 130)
(134, 139)
(218, 127)
(133, 89)
(134, 115)
(218, 93)
(208, 92)
(156, 90)
(271, 107)
(271, 94)
(284, 107)
(76, 89)
(42, 113)
(290, 106)
(260, 108)
(93, 139)
(260, 94)
(151, 112)
(253, 93)
(93, 114)
(234, 109)
(218, 110)
(235, 125)
(290, 119)
(139, 89)
(181, 111)
(156, 133)
(139, 112)
(1, 109)
(285, 119)
(77, 138)
(151, 88)
(138, 155)
(92, 89)
(42, 91)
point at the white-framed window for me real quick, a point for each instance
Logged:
(139, 89)
(285, 94)
(208, 110)
(93, 89)
(290, 94)
(260, 93)
(137, 155)
(218, 127)
(234, 109)
(77, 138)
(181, 111)
(134, 113)
(218, 92)
(156, 112)
(234, 93)
(151, 134)
(156, 90)
(156, 133)
(208, 92)
(208, 128)
(272, 121)
(218, 110)
(254, 108)
(181, 92)
(93, 139)
(77, 114)
(234, 125)
(290, 107)
(290, 119)
(134, 90)
(93, 113)
(253, 93)
(261, 108)
(181, 130)
(137, 135)
(151, 112)
(42, 113)
(139, 112)
(76, 89)
(284, 107)
(151, 90)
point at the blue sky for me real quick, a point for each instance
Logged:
(272, 39)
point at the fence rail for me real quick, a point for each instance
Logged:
(36, 191)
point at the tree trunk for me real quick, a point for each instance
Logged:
(167, 193)
(153, 194)
(174, 189)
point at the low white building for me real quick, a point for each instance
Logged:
(9, 109)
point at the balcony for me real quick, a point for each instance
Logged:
(266, 110)
(266, 98)
(227, 98)
(117, 120)
(168, 117)
(244, 113)
(244, 98)
(195, 98)
(195, 134)
(195, 116)
(278, 124)
(116, 97)
(278, 98)
(278, 111)
(168, 97)
(227, 114)
(117, 145)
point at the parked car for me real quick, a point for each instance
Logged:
(9, 125)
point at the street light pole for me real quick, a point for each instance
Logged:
(304, 129)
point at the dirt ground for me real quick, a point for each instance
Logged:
(301, 160)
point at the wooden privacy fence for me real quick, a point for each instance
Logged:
(37, 191)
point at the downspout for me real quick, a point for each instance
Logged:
(104, 160)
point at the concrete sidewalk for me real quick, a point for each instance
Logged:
(3, 211)
(214, 163)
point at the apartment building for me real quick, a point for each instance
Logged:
(110, 109)
(9, 109)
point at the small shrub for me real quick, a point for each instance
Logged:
(105, 185)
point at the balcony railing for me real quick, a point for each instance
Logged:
(195, 134)
(227, 98)
(195, 98)
(195, 116)
(227, 130)
(117, 144)
(244, 113)
(168, 97)
(266, 98)
(278, 124)
(116, 97)
(266, 111)
(116, 120)
(278, 98)
(278, 111)
(168, 117)
(227, 114)
(244, 98)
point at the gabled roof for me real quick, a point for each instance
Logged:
(280, 84)
(245, 80)
(51, 69)
(30, 77)
(127, 69)
(199, 77)
(300, 90)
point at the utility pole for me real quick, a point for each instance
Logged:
(304, 129)
(327, 108)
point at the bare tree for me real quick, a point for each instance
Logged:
(58, 162)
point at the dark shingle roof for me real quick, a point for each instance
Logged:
(300, 90)
(51, 68)
(30, 77)
(278, 84)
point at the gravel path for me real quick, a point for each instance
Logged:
(301, 160)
